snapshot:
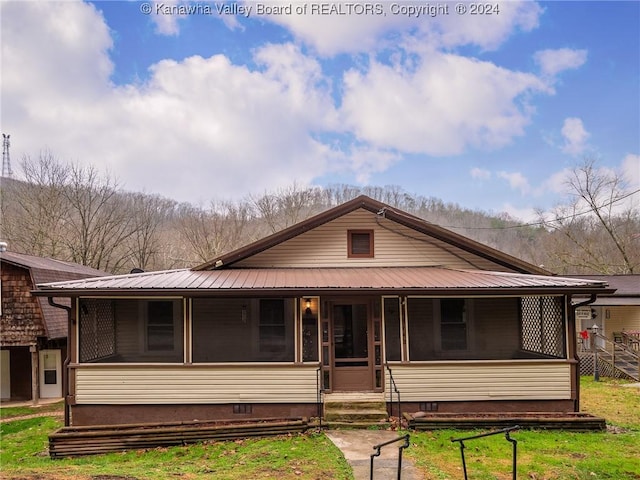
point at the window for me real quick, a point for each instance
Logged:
(272, 331)
(453, 324)
(160, 334)
(360, 244)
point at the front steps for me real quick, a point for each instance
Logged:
(355, 409)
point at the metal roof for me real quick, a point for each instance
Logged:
(345, 280)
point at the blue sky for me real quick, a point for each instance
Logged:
(487, 111)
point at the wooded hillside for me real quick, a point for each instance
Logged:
(76, 213)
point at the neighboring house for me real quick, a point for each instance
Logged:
(33, 334)
(336, 303)
(616, 312)
(616, 319)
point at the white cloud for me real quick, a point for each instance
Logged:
(517, 181)
(492, 31)
(333, 34)
(552, 62)
(631, 170)
(446, 105)
(200, 127)
(480, 173)
(556, 183)
(337, 33)
(575, 136)
(52, 49)
(205, 127)
(524, 214)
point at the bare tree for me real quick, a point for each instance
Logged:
(212, 232)
(150, 215)
(595, 231)
(35, 210)
(99, 220)
(287, 206)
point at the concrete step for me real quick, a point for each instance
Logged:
(364, 408)
(355, 406)
(352, 415)
(380, 425)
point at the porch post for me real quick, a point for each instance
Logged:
(572, 352)
(35, 380)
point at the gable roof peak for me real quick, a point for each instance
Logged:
(386, 211)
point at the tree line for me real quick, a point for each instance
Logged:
(77, 213)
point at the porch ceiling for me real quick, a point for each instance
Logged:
(414, 280)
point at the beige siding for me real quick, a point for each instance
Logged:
(483, 381)
(190, 385)
(621, 318)
(394, 245)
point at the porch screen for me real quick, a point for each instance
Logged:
(542, 330)
(243, 330)
(392, 333)
(97, 330)
(464, 329)
(131, 331)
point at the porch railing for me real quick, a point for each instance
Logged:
(617, 353)
(393, 388)
(630, 339)
(378, 447)
(506, 431)
(319, 395)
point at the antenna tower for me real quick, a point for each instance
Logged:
(6, 159)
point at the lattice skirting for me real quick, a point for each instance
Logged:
(605, 369)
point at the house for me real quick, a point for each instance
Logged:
(33, 339)
(614, 313)
(360, 298)
(615, 318)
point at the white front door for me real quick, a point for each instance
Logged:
(50, 374)
(5, 375)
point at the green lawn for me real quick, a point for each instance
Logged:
(542, 455)
(548, 455)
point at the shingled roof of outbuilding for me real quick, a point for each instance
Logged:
(46, 270)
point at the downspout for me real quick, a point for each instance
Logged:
(67, 360)
(575, 350)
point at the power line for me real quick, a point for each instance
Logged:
(545, 222)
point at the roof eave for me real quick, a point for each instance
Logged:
(254, 292)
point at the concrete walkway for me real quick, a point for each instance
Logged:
(357, 447)
(29, 403)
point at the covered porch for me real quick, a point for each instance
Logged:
(220, 357)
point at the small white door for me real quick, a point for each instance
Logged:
(5, 375)
(50, 374)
